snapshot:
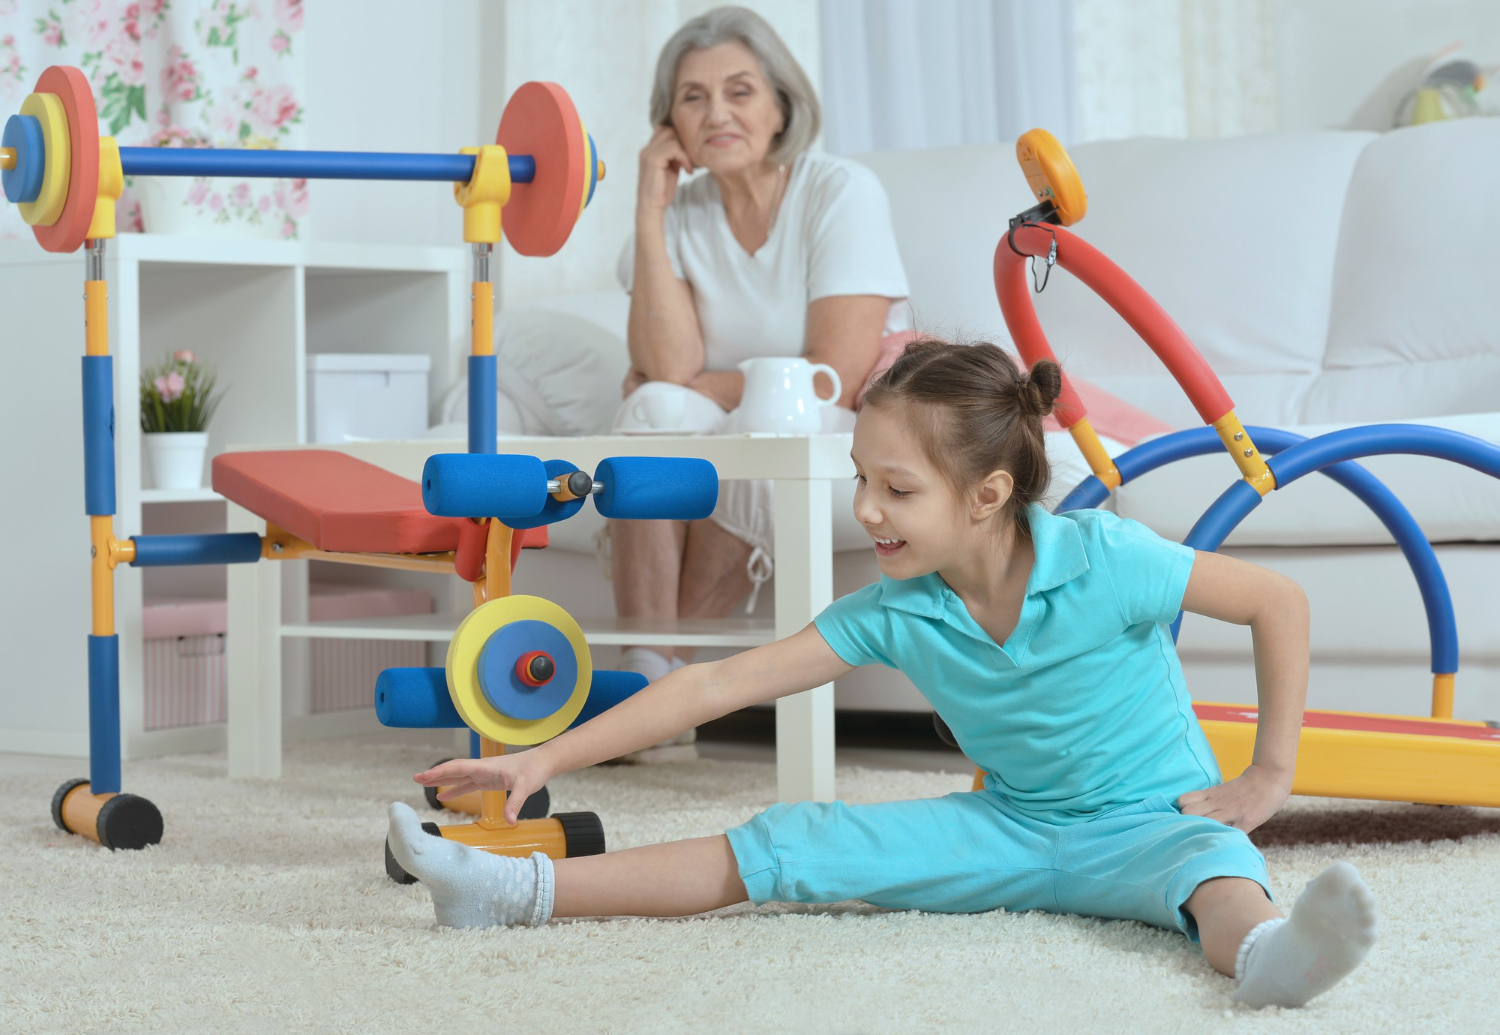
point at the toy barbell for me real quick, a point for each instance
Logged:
(524, 492)
(65, 178)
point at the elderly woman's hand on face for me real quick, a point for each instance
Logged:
(662, 160)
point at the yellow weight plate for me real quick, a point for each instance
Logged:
(590, 159)
(48, 206)
(463, 669)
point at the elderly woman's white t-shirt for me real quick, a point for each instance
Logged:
(832, 236)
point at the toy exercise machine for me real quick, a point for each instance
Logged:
(518, 669)
(1433, 758)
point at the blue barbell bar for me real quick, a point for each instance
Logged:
(310, 165)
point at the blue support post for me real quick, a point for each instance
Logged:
(98, 435)
(104, 714)
(482, 404)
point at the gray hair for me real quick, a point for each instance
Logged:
(795, 96)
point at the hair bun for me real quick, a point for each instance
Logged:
(1038, 392)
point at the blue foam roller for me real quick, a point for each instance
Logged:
(608, 689)
(415, 699)
(503, 485)
(648, 487)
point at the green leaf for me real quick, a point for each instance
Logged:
(137, 99)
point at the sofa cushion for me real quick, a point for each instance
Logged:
(1316, 511)
(1416, 300)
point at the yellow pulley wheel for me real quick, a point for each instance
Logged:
(45, 209)
(519, 670)
(1051, 176)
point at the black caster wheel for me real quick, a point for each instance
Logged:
(536, 806)
(944, 733)
(126, 821)
(57, 800)
(583, 833)
(393, 869)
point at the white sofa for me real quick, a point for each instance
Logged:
(1329, 278)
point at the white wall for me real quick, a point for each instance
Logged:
(1208, 68)
(1331, 54)
(382, 78)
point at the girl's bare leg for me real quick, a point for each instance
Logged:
(678, 878)
(1226, 909)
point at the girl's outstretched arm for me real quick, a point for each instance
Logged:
(1275, 609)
(695, 694)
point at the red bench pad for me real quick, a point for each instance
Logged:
(334, 501)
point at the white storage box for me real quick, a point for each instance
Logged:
(366, 396)
(185, 679)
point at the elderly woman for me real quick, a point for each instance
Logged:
(777, 251)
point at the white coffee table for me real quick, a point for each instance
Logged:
(802, 468)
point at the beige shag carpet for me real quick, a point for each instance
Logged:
(266, 908)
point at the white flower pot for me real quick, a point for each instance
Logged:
(175, 458)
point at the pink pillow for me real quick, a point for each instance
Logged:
(1109, 415)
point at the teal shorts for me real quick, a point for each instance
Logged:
(971, 852)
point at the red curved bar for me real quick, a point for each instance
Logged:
(1125, 296)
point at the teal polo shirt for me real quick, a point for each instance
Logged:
(1083, 708)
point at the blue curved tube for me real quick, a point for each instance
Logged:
(1231, 508)
(310, 165)
(1380, 439)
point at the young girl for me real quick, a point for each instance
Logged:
(1043, 643)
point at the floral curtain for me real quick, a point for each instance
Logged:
(173, 73)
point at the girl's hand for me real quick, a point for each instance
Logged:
(1244, 803)
(662, 159)
(520, 775)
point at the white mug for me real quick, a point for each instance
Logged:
(780, 395)
(659, 405)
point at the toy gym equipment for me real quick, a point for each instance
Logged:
(518, 667)
(1433, 759)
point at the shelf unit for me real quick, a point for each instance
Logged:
(251, 309)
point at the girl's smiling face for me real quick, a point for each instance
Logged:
(919, 523)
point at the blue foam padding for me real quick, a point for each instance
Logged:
(415, 699)
(503, 485)
(554, 510)
(502, 685)
(482, 404)
(652, 487)
(98, 435)
(24, 182)
(160, 551)
(608, 689)
(104, 714)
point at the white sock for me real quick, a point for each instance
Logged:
(647, 662)
(1332, 927)
(470, 887)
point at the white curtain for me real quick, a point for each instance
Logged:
(905, 74)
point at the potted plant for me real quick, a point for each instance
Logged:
(177, 399)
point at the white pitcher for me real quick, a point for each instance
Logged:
(780, 396)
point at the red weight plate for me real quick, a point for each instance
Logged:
(72, 88)
(540, 121)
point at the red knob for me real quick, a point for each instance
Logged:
(536, 668)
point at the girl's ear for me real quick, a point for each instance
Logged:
(993, 494)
